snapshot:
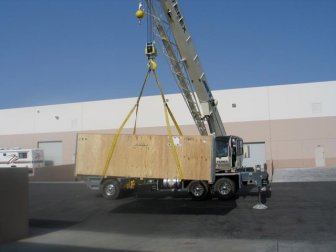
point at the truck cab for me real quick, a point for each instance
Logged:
(229, 153)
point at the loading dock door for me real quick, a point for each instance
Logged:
(254, 154)
(53, 152)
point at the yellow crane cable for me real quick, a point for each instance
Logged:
(166, 110)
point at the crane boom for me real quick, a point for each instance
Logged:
(186, 67)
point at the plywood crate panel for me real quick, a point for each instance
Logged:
(144, 156)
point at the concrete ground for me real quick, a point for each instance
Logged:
(69, 217)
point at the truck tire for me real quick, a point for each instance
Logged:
(110, 189)
(198, 190)
(225, 188)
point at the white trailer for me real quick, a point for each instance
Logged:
(22, 158)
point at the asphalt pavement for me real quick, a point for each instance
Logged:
(70, 217)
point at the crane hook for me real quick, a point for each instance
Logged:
(152, 64)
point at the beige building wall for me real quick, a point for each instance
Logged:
(292, 120)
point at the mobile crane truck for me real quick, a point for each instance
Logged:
(165, 20)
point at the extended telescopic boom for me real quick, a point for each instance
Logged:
(186, 66)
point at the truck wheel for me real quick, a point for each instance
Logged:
(225, 188)
(110, 189)
(198, 190)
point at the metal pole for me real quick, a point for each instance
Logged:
(259, 205)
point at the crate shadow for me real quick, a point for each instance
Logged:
(176, 206)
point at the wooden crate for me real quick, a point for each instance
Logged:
(144, 156)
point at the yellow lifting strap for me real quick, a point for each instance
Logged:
(166, 109)
(115, 139)
(138, 100)
(166, 105)
(135, 107)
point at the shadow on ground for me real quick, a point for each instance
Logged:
(176, 207)
(35, 247)
(44, 226)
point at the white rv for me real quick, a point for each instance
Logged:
(22, 158)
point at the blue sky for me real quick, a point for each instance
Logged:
(60, 51)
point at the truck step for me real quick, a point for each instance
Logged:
(94, 182)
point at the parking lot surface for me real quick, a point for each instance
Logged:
(70, 217)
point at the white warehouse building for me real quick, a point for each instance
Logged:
(282, 126)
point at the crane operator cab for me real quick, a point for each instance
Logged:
(229, 153)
